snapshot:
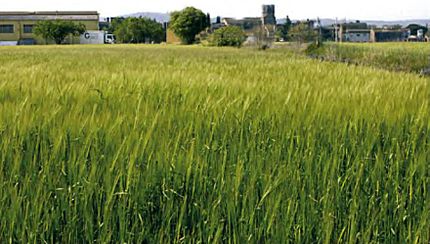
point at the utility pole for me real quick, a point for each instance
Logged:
(335, 31)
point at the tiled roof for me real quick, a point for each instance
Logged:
(50, 15)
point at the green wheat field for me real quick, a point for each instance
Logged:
(162, 144)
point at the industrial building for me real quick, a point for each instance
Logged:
(361, 32)
(17, 27)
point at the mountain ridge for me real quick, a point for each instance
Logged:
(165, 17)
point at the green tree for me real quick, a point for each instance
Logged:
(58, 30)
(186, 24)
(228, 36)
(302, 33)
(115, 24)
(282, 31)
(415, 27)
(139, 30)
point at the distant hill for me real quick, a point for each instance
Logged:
(379, 23)
(165, 17)
(159, 17)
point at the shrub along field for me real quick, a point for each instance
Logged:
(406, 57)
(163, 144)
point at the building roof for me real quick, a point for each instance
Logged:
(358, 31)
(245, 23)
(354, 26)
(233, 21)
(50, 15)
(391, 31)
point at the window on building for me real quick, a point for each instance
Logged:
(6, 29)
(28, 28)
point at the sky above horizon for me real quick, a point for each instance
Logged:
(364, 9)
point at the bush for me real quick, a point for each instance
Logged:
(314, 48)
(139, 30)
(232, 36)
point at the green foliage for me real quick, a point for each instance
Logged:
(151, 144)
(411, 57)
(228, 36)
(283, 30)
(326, 34)
(58, 30)
(415, 27)
(313, 48)
(115, 24)
(303, 33)
(186, 24)
(139, 30)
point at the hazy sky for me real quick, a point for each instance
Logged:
(296, 9)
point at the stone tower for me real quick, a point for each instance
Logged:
(269, 15)
(268, 25)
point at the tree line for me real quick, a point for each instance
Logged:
(187, 24)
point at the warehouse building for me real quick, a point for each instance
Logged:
(17, 27)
